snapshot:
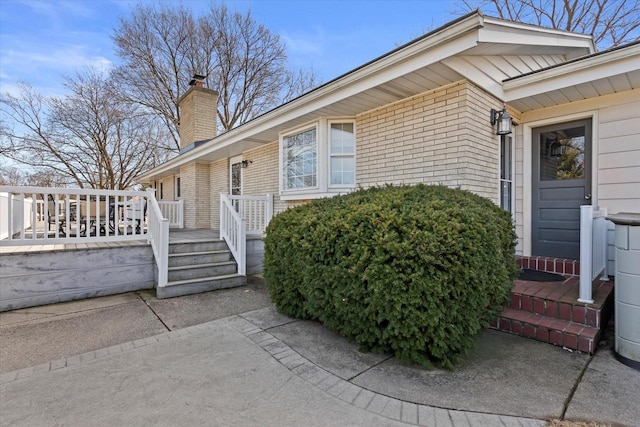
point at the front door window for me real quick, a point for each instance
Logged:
(562, 154)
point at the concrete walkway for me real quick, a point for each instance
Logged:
(228, 358)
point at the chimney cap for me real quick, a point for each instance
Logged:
(197, 78)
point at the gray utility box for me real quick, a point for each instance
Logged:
(627, 287)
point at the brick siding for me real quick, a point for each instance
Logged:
(262, 175)
(219, 179)
(441, 137)
(194, 179)
(198, 121)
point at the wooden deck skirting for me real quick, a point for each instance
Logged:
(31, 277)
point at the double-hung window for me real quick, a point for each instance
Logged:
(318, 160)
(341, 154)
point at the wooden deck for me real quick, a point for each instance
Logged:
(176, 235)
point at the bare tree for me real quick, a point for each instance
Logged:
(12, 176)
(610, 22)
(90, 136)
(162, 47)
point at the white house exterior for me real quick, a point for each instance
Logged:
(421, 114)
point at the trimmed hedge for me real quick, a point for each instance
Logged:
(416, 271)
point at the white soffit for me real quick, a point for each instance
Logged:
(612, 72)
(507, 49)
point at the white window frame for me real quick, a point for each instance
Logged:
(177, 191)
(232, 161)
(323, 187)
(512, 165)
(330, 154)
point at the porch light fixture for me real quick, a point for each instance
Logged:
(503, 119)
(245, 163)
(555, 148)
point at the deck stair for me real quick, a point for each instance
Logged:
(550, 312)
(200, 266)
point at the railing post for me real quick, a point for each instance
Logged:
(222, 216)
(163, 250)
(10, 215)
(605, 245)
(586, 242)
(242, 248)
(269, 211)
(149, 196)
(181, 213)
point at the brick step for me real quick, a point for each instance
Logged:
(559, 303)
(560, 332)
(565, 267)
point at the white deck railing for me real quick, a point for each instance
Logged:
(233, 230)
(21, 218)
(159, 238)
(74, 215)
(593, 250)
(174, 212)
(257, 211)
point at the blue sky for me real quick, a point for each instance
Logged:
(42, 40)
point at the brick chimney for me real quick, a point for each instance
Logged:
(198, 114)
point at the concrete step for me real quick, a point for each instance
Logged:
(203, 284)
(195, 258)
(188, 272)
(198, 246)
(565, 333)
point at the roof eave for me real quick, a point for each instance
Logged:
(438, 37)
(573, 73)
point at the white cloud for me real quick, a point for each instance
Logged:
(305, 43)
(44, 70)
(59, 11)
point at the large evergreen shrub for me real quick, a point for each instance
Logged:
(413, 270)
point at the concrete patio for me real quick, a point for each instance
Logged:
(228, 358)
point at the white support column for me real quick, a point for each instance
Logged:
(586, 239)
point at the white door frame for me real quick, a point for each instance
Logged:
(527, 165)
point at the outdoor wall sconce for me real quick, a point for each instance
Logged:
(246, 163)
(503, 119)
(555, 149)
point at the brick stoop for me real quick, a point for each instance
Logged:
(550, 312)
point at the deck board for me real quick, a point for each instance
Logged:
(175, 236)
